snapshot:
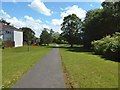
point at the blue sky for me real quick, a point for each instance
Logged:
(38, 15)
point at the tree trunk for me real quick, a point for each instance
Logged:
(71, 45)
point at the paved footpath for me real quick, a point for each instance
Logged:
(46, 73)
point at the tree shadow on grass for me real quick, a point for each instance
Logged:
(84, 50)
(79, 49)
(110, 57)
(73, 49)
(91, 52)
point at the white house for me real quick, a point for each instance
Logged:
(12, 36)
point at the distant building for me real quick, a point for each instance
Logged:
(11, 36)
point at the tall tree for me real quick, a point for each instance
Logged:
(55, 37)
(100, 22)
(45, 37)
(28, 35)
(71, 26)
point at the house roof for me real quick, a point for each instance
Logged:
(8, 27)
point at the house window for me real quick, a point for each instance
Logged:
(8, 32)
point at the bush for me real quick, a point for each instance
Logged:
(108, 46)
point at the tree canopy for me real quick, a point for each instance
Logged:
(101, 22)
(71, 26)
(45, 37)
(28, 35)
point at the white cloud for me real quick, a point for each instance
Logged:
(16, 22)
(12, 20)
(29, 22)
(61, 9)
(47, 22)
(35, 24)
(57, 22)
(101, 7)
(91, 5)
(3, 14)
(56, 28)
(14, 1)
(74, 10)
(101, 1)
(40, 7)
(45, 26)
(30, 19)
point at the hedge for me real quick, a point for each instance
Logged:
(108, 46)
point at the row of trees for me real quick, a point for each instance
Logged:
(49, 36)
(96, 29)
(101, 22)
(46, 37)
(97, 24)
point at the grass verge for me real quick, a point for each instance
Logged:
(0, 68)
(86, 70)
(17, 61)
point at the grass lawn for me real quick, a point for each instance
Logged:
(86, 70)
(0, 67)
(17, 61)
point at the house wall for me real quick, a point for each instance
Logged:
(8, 43)
(1, 36)
(7, 35)
(18, 38)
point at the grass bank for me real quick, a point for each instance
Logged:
(0, 68)
(17, 61)
(86, 70)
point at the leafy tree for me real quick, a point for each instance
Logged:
(91, 25)
(101, 22)
(35, 40)
(51, 35)
(45, 37)
(28, 35)
(61, 39)
(71, 26)
(55, 37)
(4, 21)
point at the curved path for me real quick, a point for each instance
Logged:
(46, 73)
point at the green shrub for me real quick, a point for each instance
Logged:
(108, 46)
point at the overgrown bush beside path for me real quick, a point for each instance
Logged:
(108, 46)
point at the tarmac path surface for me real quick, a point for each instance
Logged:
(46, 73)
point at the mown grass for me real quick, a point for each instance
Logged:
(17, 61)
(87, 70)
(0, 67)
